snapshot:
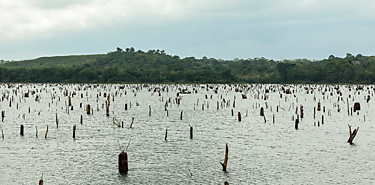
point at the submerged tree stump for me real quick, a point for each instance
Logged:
(357, 106)
(225, 159)
(352, 134)
(191, 132)
(74, 132)
(261, 111)
(123, 162)
(296, 124)
(166, 134)
(88, 108)
(21, 130)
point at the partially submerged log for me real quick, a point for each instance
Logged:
(352, 134)
(225, 159)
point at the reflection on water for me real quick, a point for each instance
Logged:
(259, 152)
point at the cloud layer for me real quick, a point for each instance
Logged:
(213, 28)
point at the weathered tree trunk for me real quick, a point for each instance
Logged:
(226, 159)
(88, 108)
(21, 131)
(191, 132)
(296, 124)
(74, 132)
(45, 136)
(352, 134)
(166, 134)
(261, 111)
(123, 162)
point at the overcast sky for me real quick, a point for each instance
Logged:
(222, 29)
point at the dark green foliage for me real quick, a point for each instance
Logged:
(155, 66)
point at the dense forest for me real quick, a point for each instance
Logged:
(156, 66)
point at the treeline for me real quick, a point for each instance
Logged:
(155, 66)
(114, 75)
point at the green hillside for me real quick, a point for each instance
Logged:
(56, 61)
(156, 66)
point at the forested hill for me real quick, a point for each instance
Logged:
(156, 66)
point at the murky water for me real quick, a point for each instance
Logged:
(259, 152)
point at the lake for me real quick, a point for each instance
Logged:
(259, 152)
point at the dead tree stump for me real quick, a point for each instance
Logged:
(21, 131)
(352, 134)
(166, 134)
(74, 132)
(261, 111)
(45, 136)
(88, 108)
(191, 132)
(296, 124)
(225, 159)
(123, 162)
(357, 106)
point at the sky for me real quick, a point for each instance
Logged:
(221, 29)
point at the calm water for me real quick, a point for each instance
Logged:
(259, 152)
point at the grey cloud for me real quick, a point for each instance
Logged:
(212, 28)
(56, 4)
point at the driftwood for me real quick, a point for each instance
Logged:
(352, 134)
(225, 159)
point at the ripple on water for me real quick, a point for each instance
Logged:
(259, 152)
